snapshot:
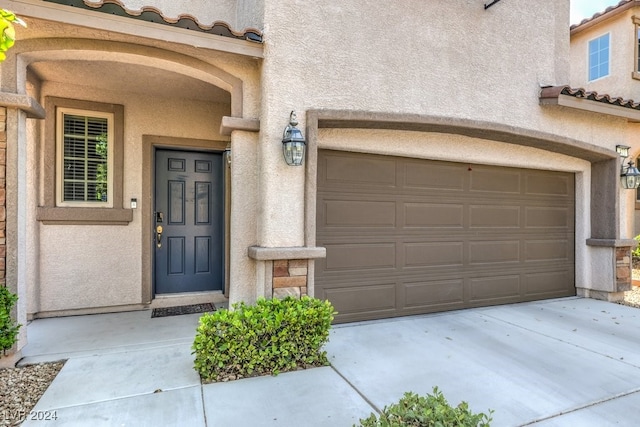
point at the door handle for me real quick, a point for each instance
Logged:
(159, 236)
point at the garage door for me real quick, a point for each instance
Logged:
(409, 236)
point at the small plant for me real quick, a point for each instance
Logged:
(636, 252)
(8, 327)
(430, 411)
(7, 31)
(267, 338)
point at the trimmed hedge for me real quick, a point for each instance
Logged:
(8, 327)
(430, 411)
(267, 338)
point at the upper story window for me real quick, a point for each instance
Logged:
(636, 29)
(599, 57)
(84, 158)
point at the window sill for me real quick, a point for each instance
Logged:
(635, 75)
(84, 216)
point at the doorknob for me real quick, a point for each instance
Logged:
(159, 236)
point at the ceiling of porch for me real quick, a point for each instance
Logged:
(134, 79)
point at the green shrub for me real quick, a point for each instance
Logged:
(8, 327)
(636, 252)
(430, 411)
(269, 337)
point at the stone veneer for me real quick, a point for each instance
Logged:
(290, 278)
(623, 269)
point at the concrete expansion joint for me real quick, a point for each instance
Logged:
(82, 354)
(365, 398)
(581, 407)
(564, 342)
(124, 397)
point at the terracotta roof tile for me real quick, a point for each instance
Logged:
(555, 91)
(605, 12)
(152, 14)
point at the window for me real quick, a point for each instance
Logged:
(637, 48)
(599, 57)
(84, 147)
(83, 163)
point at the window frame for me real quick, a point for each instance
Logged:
(60, 112)
(50, 211)
(589, 79)
(636, 62)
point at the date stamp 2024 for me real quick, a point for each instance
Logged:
(20, 415)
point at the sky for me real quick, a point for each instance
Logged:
(581, 9)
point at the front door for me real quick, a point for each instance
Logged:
(188, 218)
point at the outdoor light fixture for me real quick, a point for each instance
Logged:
(629, 175)
(293, 142)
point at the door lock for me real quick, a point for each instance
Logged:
(159, 236)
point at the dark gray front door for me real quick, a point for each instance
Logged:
(188, 217)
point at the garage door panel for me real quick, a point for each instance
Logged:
(547, 217)
(363, 299)
(549, 184)
(430, 254)
(548, 250)
(429, 176)
(359, 170)
(547, 283)
(485, 216)
(433, 293)
(495, 181)
(494, 287)
(360, 256)
(355, 213)
(440, 236)
(492, 252)
(433, 215)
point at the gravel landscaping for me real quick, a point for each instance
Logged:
(21, 388)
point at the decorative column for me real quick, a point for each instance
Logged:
(289, 270)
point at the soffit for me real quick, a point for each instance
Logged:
(134, 79)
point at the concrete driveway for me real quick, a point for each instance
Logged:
(567, 362)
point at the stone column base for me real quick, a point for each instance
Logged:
(10, 360)
(600, 295)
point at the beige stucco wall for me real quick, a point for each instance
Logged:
(619, 83)
(403, 57)
(445, 59)
(622, 53)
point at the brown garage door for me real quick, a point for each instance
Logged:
(408, 236)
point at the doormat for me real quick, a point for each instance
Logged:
(183, 309)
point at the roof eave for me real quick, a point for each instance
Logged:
(609, 13)
(114, 23)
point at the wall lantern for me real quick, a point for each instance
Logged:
(293, 143)
(629, 175)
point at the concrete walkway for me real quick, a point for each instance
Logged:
(567, 362)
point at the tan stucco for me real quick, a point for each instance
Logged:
(405, 60)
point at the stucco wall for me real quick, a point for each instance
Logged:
(404, 57)
(106, 260)
(622, 52)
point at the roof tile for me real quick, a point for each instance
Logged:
(152, 14)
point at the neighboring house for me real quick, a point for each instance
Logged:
(447, 165)
(605, 58)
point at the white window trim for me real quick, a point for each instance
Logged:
(589, 57)
(60, 111)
